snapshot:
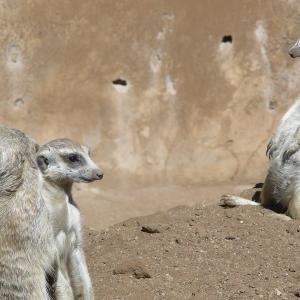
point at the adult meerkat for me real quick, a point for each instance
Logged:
(281, 188)
(26, 237)
(63, 162)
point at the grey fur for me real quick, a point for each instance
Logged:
(294, 50)
(59, 173)
(281, 188)
(26, 238)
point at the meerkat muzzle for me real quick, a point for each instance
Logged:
(98, 174)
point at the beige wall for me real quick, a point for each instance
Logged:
(194, 110)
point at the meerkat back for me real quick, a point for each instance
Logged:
(25, 233)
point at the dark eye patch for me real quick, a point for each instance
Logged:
(74, 158)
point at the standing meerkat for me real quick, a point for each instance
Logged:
(63, 162)
(26, 237)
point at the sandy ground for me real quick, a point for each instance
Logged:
(103, 206)
(197, 253)
(198, 250)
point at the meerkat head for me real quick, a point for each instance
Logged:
(65, 161)
(294, 50)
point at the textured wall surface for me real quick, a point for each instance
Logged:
(185, 107)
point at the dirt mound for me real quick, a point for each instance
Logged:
(197, 253)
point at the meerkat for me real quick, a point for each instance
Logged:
(294, 50)
(63, 162)
(26, 239)
(281, 188)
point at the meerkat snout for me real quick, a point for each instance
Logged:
(96, 174)
(99, 174)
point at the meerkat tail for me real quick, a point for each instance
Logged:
(281, 217)
(233, 201)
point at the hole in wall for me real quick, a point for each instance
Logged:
(120, 81)
(121, 85)
(19, 102)
(272, 105)
(227, 39)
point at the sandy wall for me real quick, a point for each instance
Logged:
(153, 87)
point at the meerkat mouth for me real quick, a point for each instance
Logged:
(84, 179)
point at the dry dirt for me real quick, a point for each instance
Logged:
(206, 252)
(102, 206)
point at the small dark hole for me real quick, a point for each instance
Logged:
(19, 102)
(259, 185)
(120, 81)
(273, 105)
(227, 39)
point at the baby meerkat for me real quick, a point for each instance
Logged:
(63, 162)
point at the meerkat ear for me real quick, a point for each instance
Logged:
(42, 162)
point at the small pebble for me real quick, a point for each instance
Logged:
(230, 238)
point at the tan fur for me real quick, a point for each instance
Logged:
(26, 238)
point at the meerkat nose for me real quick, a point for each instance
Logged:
(99, 174)
(292, 55)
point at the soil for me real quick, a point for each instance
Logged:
(102, 206)
(205, 252)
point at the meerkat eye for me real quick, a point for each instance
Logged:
(73, 158)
